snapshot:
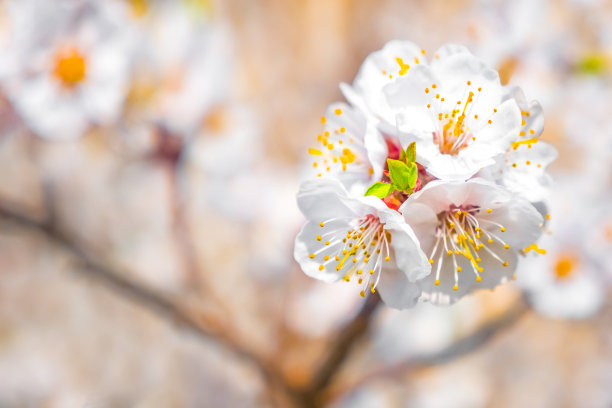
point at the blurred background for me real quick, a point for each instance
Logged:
(150, 153)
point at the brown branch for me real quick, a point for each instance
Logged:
(183, 316)
(342, 346)
(180, 229)
(459, 348)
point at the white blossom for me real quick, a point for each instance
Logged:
(358, 239)
(65, 67)
(472, 232)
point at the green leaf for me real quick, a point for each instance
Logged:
(411, 153)
(379, 189)
(403, 176)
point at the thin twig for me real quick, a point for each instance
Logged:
(461, 347)
(180, 227)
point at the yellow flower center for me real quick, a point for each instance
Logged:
(70, 67)
(565, 267)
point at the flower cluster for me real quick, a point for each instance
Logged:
(429, 184)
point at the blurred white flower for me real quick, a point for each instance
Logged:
(184, 63)
(570, 281)
(472, 232)
(66, 65)
(354, 238)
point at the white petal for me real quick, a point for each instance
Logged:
(323, 199)
(521, 220)
(457, 69)
(494, 274)
(380, 68)
(306, 243)
(396, 290)
(407, 252)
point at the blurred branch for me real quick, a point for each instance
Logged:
(181, 229)
(459, 348)
(343, 344)
(196, 322)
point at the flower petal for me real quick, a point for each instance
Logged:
(396, 290)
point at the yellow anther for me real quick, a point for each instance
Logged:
(323, 120)
(322, 224)
(502, 229)
(436, 282)
(362, 293)
(515, 145)
(535, 248)
(458, 269)
(338, 111)
(387, 258)
(431, 261)
(319, 238)
(403, 67)
(505, 264)
(314, 152)
(455, 287)
(311, 256)
(478, 278)
(321, 267)
(506, 246)
(489, 210)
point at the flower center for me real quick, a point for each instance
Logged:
(338, 150)
(138, 7)
(451, 118)
(70, 67)
(565, 267)
(461, 232)
(358, 252)
(454, 136)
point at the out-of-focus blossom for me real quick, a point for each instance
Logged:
(65, 66)
(572, 279)
(472, 232)
(183, 64)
